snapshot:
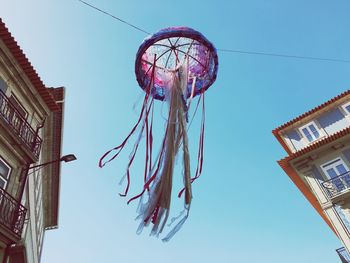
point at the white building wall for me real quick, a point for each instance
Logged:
(327, 123)
(34, 229)
(337, 209)
(339, 227)
(333, 121)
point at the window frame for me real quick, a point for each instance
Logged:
(320, 132)
(338, 159)
(9, 172)
(2, 80)
(18, 104)
(343, 106)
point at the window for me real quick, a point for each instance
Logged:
(5, 170)
(310, 131)
(338, 172)
(346, 107)
(18, 114)
(3, 85)
(18, 106)
(335, 168)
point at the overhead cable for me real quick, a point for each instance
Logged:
(226, 50)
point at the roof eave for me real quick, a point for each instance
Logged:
(27, 67)
(311, 112)
(54, 190)
(300, 184)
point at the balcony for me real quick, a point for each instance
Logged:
(19, 125)
(339, 185)
(12, 214)
(343, 254)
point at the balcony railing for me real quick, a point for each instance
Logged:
(12, 213)
(337, 184)
(343, 254)
(19, 125)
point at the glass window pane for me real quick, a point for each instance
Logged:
(331, 173)
(2, 183)
(348, 108)
(314, 131)
(18, 106)
(307, 134)
(3, 86)
(341, 169)
(4, 170)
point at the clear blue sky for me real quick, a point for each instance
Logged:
(245, 209)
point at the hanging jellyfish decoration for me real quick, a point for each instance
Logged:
(174, 65)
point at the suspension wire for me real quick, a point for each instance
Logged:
(226, 50)
(282, 55)
(117, 18)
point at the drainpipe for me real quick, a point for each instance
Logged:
(23, 179)
(37, 134)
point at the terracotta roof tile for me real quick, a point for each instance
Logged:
(319, 143)
(22, 60)
(302, 116)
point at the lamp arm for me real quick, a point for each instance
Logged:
(42, 164)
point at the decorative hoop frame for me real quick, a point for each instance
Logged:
(202, 71)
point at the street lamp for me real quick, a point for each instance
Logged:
(66, 158)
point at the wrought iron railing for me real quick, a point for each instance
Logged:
(19, 125)
(337, 184)
(343, 254)
(12, 213)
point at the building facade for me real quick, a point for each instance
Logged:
(31, 118)
(318, 162)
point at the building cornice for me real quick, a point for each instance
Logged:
(310, 112)
(293, 175)
(27, 67)
(53, 186)
(318, 144)
(285, 164)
